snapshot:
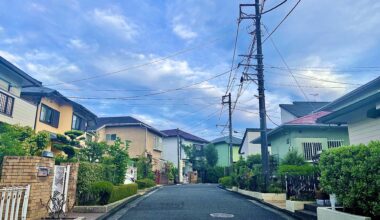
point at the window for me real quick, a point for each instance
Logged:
(157, 143)
(77, 123)
(334, 143)
(110, 137)
(6, 104)
(49, 116)
(310, 149)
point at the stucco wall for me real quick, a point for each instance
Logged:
(249, 148)
(286, 116)
(65, 117)
(223, 154)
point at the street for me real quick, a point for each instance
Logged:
(195, 202)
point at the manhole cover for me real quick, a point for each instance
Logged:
(221, 215)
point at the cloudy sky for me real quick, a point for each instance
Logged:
(130, 57)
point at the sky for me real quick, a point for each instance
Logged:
(158, 60)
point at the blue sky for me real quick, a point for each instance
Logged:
(61, 41)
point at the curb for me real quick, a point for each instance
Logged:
(263, 202)
(123, 204)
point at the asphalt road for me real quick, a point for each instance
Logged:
(194, 202)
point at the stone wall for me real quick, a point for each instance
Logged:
(21, 171)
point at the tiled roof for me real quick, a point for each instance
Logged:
(30, 81)
(300, 109)
(124, 121)
(235, 140)
(308, 119)
(184, 135)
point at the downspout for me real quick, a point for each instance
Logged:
(35, 119)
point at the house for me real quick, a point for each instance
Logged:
(56, 113)
(360, 110)
(306, 136)
(145, 140)
(299, 109)
(247, 148)
(174, 139)
(13, 108)
(222, 146)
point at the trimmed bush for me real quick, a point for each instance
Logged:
(295, 170)
(145, 183)
(123, 191)
(353, 174)
(213, 174)
(226, 181)
(102, 191)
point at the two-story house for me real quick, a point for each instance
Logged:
(13, 108)
(222, 147)
(174, 151)
(144, 139)
(299, 109)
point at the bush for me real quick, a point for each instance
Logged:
(293, 158)
(353, 174)
(226, 181)
(102, 191)
(213, 174)
(145, 183)
(123, 191)
(294, 170)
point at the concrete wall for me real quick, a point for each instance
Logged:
(24, 113)
(65, 117)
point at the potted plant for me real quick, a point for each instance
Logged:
(322, 198)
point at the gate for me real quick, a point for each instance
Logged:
(13, 201)
(58, 201)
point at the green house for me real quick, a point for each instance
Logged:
(306, 136)
(221, 144)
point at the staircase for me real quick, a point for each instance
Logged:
(309, 212)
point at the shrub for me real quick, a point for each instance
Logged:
(294, 170)
(293, 158)
(213, 174)
(226, 181)
(102, 191)
(145, 183)
(352, 173)
(123, 191)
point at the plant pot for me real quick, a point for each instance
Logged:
(326, 213)
(296, 205)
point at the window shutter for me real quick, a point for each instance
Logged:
(55, 121)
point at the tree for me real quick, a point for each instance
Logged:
(293, 158)
(211, 155)
(119, 158)
(144, 168)
(94, 151)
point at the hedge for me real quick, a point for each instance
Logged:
(102, 191)
(122, 191)
(226, 181)
(295, 170)
(353, 174)
(145, 183)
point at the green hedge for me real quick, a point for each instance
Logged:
(123, 191)
(145, 183)
(353, 174)
(226, 181)
(213, 174)
(102, 191)
(295, 170)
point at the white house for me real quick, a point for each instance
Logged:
(13, 109)
(298, 109)
(246, 147)
(173, 141)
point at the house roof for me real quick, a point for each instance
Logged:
(235, 140)
(124, 121)
(184, 135)
(27, 80)
(308, 121)
(300, 109)
(369, 88)
(44, 91)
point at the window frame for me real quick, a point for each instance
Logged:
(110, 139)
(52, 116)
(80, 122)
(7, 98)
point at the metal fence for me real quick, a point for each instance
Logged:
(13, 201)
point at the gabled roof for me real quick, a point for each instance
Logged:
(245, 135)
(235, 140)
(184, 135)
(308, 119)
(27, 80)
(300, 109)
(124, 121)
(47, 92)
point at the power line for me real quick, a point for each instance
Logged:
(153, 61)
(233, 56)
(273, 8)
(272, 121)
(125, 90)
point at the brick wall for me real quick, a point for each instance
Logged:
(23, 171)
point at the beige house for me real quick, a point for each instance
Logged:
(14, 109)
(144, 139)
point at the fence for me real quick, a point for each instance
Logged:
(14, 200)
(301, 187)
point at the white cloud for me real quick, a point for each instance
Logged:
(80, 45)
(184, 32)
(14, 40)
(37, 7)
(112, 20)
(10, 57)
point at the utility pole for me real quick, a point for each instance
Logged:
(178, 156)
(260, 82)
(229, 125)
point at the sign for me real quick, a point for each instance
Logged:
(43, 171)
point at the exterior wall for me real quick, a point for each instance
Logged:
(170, 151)
(286, 116)
(223, 154)
(24, 113)
(141, 141)
(364, 130)
(292, 139)
(248, 148)
(23, 171)
(72, 186)
(65, 117)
